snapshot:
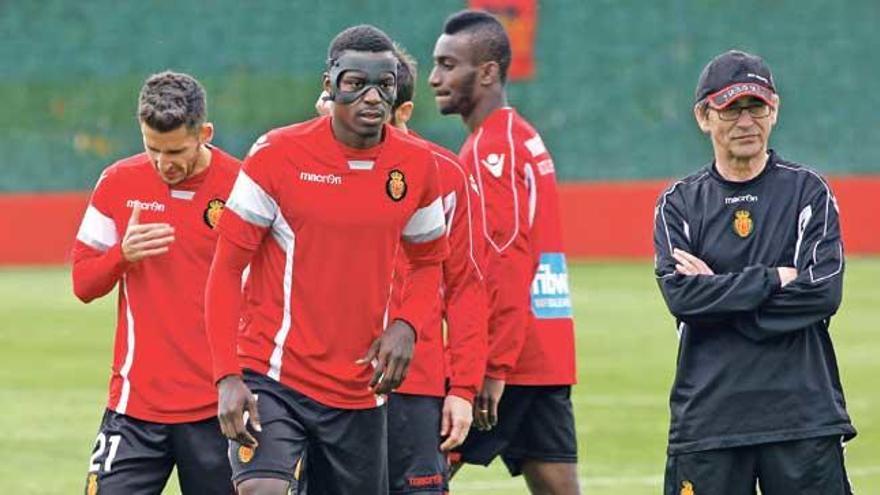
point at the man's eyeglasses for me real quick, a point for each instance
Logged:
(757, 111)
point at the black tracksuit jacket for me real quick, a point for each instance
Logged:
(755, 360)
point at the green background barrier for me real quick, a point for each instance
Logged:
(612, 94)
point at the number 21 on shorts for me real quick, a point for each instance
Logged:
(100, 446)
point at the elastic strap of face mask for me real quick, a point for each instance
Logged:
(373, 71)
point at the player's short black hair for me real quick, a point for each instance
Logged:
(407, 73)
(169, 100)
(489, 40)
(361, 38)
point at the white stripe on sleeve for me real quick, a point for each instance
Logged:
(532, 188)
(122, 405)
(467, 180)
(97, 230)
(426, 224)
(535, 145)
(250, 202)
(450, 202)
(803, 220)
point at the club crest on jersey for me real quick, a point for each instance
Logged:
(245, 454)
(687, 488)
(213, 212)
(92, 484)
(396, 185)
(742, 223)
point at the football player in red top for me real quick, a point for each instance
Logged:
(150, 227)
(320, 211)
(432, 411)
(523, 411)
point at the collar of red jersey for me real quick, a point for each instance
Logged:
(322, 144)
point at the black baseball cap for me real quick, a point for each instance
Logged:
(732, 75)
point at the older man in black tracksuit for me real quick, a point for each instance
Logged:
(750, 262)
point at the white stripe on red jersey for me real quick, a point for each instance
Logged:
(285, 237)
(426, 224)
(97, 230)
(250, 202)
(124, 371)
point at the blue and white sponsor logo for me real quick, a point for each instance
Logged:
(550, 294)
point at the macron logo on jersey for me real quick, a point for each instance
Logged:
(745, 198)
(331, 179)
(494, 163)
(143, 205)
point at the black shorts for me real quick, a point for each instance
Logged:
(811, 466)
(415, 462)
(135, 457)
(346, 447)
(534, 423)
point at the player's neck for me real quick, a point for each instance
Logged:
(203, 162)
(736, 169)
(484, 107)
(353, 140)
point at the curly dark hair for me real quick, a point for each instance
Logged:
(169, 100)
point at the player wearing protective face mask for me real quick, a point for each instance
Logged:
(319, 211)
(431, 412)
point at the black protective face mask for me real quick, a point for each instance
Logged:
(372, 69)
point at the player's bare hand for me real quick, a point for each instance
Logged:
(456, 421)
(392, 352)
(486, 404)
(237, 407)
(689, 264)
(143, 240)
(323, 106)
(786, 274)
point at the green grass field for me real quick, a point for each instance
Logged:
(56, 361)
